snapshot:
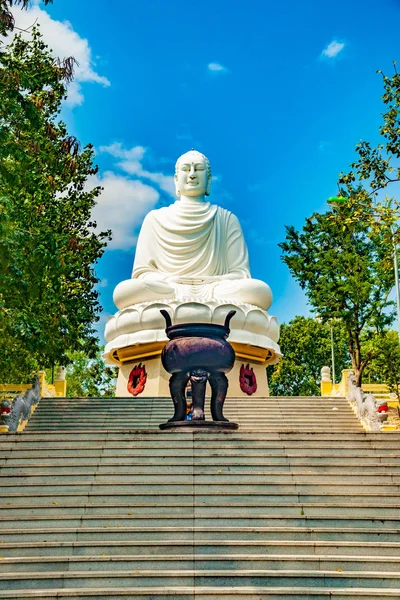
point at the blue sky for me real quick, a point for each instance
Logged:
(275, 94)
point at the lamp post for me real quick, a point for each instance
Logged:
(330, 321)
(333, 357)
(337, 202)
(396, 277)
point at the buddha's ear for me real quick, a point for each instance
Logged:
(208, 190)
(177, 190)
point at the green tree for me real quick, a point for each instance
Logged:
(385, 365)
(7, 21)
(342, 264)
(306, 347)
(375, 167)
(48, 243)
(344, 260)
(90, 377)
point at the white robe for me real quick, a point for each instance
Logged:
(191, 239)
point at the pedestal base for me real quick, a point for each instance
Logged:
(157, 379)
(201, 425)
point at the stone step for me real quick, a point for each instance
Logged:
(158, 400)
(199, 578)
(187, 510)
(216, 498)
(230, 407)
(264, 413)
(229, 446)
(132, 435)
(344, 471)
(185, 547)
(94, 410)
(197, 435)
(200, 452)
(273, 440)
(230, 403)
(140, 533)
(218, 477)
(273, 458)
(152, 435)
(266, 427)
(249, 405)
(279, 427)
(181, 497)
(128, 420)
(167, 488)
(133, 465)
(205, 563)
(203, 519)
(118, 413)
(207, 593)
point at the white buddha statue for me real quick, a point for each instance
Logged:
(191, 259)
(192, 249)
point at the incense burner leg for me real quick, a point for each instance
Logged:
(177, 387)
(219, 388)
(198, 379)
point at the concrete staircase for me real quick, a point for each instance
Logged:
(300, 503)
(299, 414)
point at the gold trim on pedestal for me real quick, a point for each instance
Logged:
(138, 351)
(251, 353)
(254, 354)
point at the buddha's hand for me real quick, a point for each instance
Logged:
(191, 280)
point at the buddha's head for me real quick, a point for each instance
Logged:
(193, 175)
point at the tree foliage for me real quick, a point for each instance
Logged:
(90, 377)
(344, 259)
(343, 267)
(7, 21)
(385, 365)
(48, 244)
(375, 167)
(306, 347)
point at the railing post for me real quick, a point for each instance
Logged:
(326, 381)
(43, 384)
(60, 384)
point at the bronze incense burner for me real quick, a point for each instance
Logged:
(198, 352)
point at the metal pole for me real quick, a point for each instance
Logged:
(396, 277)
(333, 357)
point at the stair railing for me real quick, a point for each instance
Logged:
(372, 413)
(16, 412)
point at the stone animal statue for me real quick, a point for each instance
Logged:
(22, 405)
(371, 412)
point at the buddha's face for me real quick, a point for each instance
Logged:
(192, 177)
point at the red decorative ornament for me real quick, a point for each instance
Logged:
(5, 407)
(247, 380)
(137, 380)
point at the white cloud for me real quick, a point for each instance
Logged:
(216, 68)
(127, 198)
(333, 49)
(64, 42)
(103, 283)
(121, 207)
(131, 163)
